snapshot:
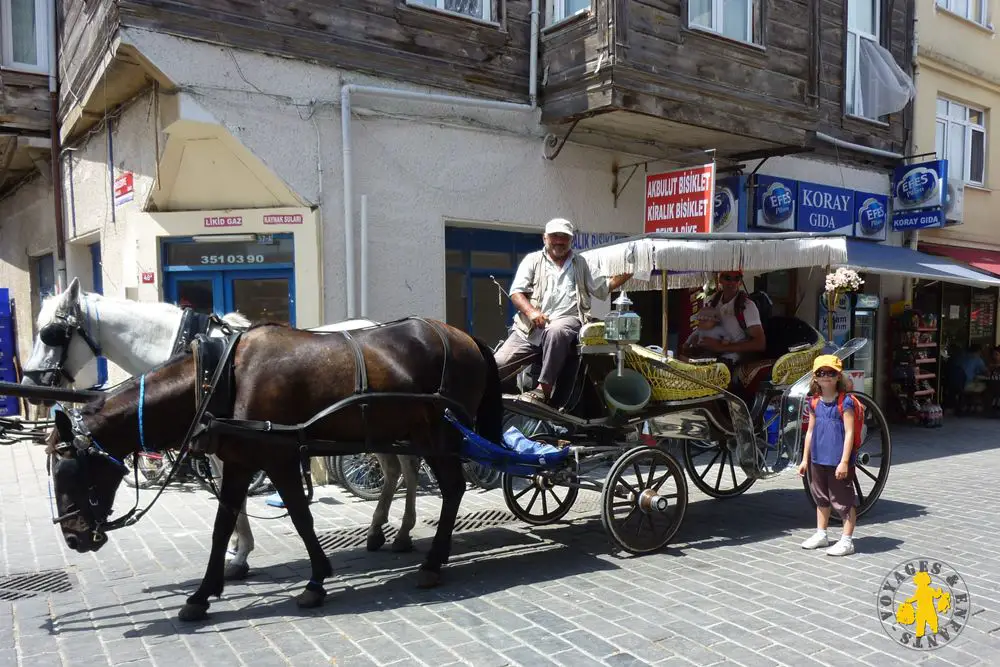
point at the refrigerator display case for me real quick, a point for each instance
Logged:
(855, 317)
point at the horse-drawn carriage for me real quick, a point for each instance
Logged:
(266, 398)
(729, 438)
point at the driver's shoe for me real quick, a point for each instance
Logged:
(535, 395)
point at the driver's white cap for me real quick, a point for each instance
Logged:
(559, 226)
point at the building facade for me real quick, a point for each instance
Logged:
(382, 158)
(958, 91)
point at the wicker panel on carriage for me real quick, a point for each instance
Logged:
(666, 386)
(785, 367)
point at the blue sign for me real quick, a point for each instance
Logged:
(730, 210)
(774, 203)
(825, 209)
(908, 220)
(871, 216)
(8, 404)
(916, 186)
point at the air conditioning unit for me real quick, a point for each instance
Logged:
(953, 204)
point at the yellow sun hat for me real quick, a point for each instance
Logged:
(828, 361)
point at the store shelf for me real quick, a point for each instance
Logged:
(913, 381)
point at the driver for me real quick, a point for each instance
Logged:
(740, 318)
(551, 291)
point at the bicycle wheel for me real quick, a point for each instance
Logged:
(151, 468)
(361, 474)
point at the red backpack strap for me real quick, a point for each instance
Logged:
(741, 305)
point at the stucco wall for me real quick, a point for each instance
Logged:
(419, 164)
(26, 231)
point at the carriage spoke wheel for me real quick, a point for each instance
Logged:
(644, 500)
(537, 500)
(873, 460)
(715, 469)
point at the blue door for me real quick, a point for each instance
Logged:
(98, 274)
(474, 259)
(254, 277)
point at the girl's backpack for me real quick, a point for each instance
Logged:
(859, 415)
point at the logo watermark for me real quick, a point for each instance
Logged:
(923, 604)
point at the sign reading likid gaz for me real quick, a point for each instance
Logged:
(681, 200)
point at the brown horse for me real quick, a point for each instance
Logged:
(286, 376)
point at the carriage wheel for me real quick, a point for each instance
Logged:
(537, 499)
(874, 458)
(644, 500)
(714, 469)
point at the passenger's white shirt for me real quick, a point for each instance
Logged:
(727, 317)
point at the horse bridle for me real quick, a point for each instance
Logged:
(83, 448)
(59, 334)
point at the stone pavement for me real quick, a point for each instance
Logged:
(734, 588)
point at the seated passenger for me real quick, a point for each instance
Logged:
(740, 318)
(551, 291)
(708, 327)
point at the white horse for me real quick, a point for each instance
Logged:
(137, 336)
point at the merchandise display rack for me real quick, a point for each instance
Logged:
(915, 367)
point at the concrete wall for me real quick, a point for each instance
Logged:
(421, 164)
(26, 231)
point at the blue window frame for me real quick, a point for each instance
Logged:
(98, 275)
(472, 257)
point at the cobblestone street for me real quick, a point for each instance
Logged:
(734, 588)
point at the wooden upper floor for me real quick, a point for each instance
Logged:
(645, 75)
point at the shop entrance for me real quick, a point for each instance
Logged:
(250, 273)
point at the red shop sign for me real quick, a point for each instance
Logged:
(681, 200)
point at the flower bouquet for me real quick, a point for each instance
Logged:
(838, 283)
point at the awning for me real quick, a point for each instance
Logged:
(987, 260)
(897, 261)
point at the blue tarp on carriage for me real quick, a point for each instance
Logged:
(518, 455)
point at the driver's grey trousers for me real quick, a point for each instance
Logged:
(557, 340)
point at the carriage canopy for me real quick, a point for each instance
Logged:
(689, 259)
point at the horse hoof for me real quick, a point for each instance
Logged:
(193, 612)
(428, 579)
(403, 545)
(310, 599)
(237, 571)
(375, 541)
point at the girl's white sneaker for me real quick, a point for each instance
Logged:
(841, 548)
(816, 541)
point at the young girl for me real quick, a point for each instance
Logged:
(829, 453)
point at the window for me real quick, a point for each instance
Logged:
(477, 9)
(730, 18)
(862, 24)
(559, 10)
(24, 36)
(974, 10)
(961, 139)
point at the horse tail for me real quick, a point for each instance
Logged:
(489, 415)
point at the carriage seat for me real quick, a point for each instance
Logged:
(792, 345)
(657, 367)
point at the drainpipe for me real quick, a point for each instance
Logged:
(55, 160)
(533, 59)
(345, 128)
(858, 147)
